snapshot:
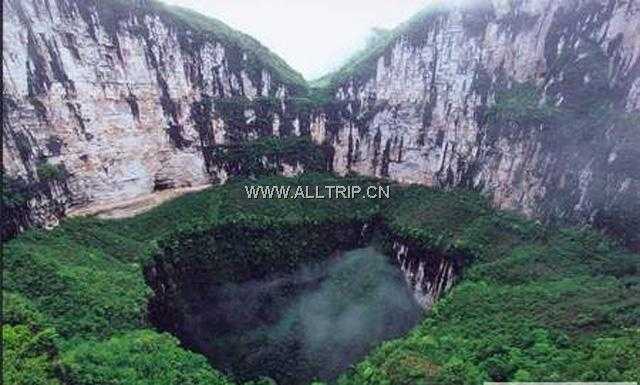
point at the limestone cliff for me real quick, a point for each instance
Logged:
(108, 100)
(535, 102)
(428, 275)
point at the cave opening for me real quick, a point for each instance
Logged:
(293, 326)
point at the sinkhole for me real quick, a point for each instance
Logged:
(309, 323)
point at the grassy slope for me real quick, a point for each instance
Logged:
(536, 303)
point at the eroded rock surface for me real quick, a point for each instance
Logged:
(534, 102)
(125, 100)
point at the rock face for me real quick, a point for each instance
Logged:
(427, 274)
(537, 103)
(126, 98)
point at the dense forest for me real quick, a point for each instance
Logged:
(532, 303)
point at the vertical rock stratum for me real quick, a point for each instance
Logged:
(536, 103)
(109, 100)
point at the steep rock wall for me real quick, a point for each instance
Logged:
(427, 274)
(123, 98)
(535, 102)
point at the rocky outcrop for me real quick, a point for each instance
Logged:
(428, 274)
(537, 103)
(128, 98)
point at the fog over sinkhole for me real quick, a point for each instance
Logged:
(309, 324)
(313, 36)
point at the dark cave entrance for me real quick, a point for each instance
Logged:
(309, 323)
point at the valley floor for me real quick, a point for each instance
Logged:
(135, 206)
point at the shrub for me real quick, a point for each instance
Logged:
(48, 172)
(520, 104)
(138, 358)
(266, 156)
(29, 355)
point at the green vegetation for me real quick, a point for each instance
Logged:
(48, 172)
(534, 303)
(13, 192)
(15, 196)
(447, 222)
(86, 277)
(248, 238)
(538, 304)
(28, 355)
(28, 347)
(142, 357)
(232, 110)
(521, 105)
(266, 156)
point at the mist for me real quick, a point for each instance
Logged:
(310, 324)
